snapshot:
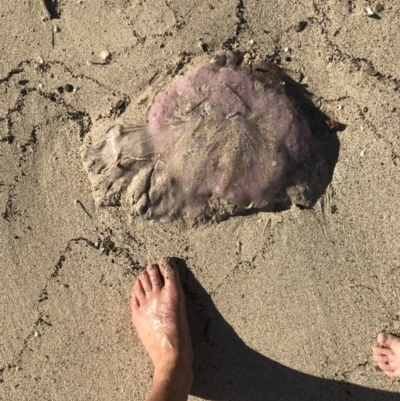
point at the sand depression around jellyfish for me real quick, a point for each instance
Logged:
(216, 143)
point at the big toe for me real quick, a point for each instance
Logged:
(169, 270)
(389, 341)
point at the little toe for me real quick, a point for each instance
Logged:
(138, 291)
(388, 340)
(380, 351)
(385, 367)
(169, 270)
(134, 302)
(155, 277)
(381, 359)
(146, 282)
(391, 373)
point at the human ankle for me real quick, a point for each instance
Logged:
(174, 370)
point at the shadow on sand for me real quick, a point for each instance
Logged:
(225, 368)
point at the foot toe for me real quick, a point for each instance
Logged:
(391, 373)
(146, 282)
(385, 366)
(169, 270)
(380, 351)
(381, 358)
(388, 340)
(138, 291)
(155, 277)
(134, 302)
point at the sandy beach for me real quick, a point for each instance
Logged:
(282, 305)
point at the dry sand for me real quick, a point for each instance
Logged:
(283, 306)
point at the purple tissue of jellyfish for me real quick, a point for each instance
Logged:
(217, 142)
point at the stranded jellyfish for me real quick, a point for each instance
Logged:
(217, 142)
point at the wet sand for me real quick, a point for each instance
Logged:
(283, 305)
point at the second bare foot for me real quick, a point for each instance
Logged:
(388, 354)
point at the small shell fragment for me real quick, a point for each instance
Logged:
(105, 55)
(369, 11)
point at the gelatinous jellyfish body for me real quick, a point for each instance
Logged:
(216, 143)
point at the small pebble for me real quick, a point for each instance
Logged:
(371, 72)
(40, 60)
(40, 86)
(300, 26)
(44, 19)
(119, 103)
(286, 49)
(219, 59)
(68, 88)
(105, 55)
(340, 107)
(17, 368)
(56, 29)
(365, 109)
(36, 334)
(362, 153)
(251, 41)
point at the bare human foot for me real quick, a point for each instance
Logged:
(159, 315)
(388, 354)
